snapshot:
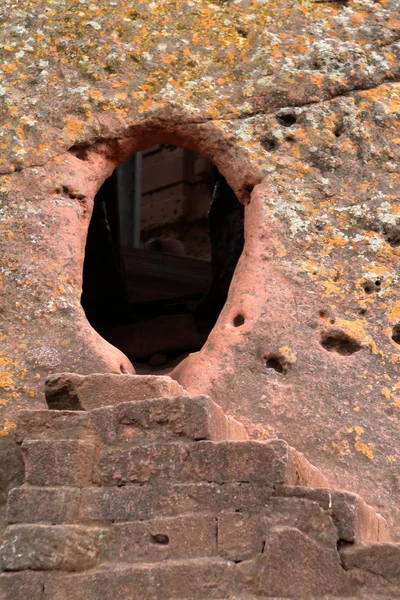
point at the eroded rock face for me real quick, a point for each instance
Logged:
(301, 99)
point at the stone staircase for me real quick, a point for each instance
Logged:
(144, 493)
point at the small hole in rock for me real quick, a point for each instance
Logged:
(393, 238)
(368, 288)
(378, 282)
(269, 144)
(276, 363)
(396, 334)
(80, 152)
(338, 130)
(287, 120)
(362, 312)
(339, 342)
(160, 539)
(238, 321)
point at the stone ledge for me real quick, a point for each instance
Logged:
(270, 463)
(69, 391)
(355, 520)
(180, 418)
(380, 559)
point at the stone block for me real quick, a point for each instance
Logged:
(186, 536)
(35, 505)
(381, 559)
(52, 424)
(195, 579)
(294, 566)
(139, 502)
(305, 515)
(165, 419)
(268, 463)
(140, 464)
(131, 503)
(105, 424)
(58, 462)
(51, 547)
(68, 391)
(354, 519)
(22, 586)
(242, 535)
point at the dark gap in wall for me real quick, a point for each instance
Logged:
(163, 243)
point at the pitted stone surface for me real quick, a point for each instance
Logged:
(301, 98)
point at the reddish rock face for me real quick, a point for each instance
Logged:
(299, 108)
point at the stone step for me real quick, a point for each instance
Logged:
(148, 502)
(163, 419)
(167, 419)
(194, 579)
(378, 562)
(231, 535)
(71, 462)
(69, 391)
(290, 564)
(29, 504)
(354, 519)
(268, 463)
(54, 425)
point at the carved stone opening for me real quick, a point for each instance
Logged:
(163, 242)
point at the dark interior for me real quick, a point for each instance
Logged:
(163, 243)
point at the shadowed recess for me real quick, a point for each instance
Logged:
(163, 243)
(339, 342)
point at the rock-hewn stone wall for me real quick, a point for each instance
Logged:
(298, 104)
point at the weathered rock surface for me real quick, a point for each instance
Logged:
(179, 516)
(301, 98)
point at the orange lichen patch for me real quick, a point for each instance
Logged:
(6, 380)
(7, 427)
(5, 360)
(359, 444)
(394, 314)
(364, 448)
(288, 354)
